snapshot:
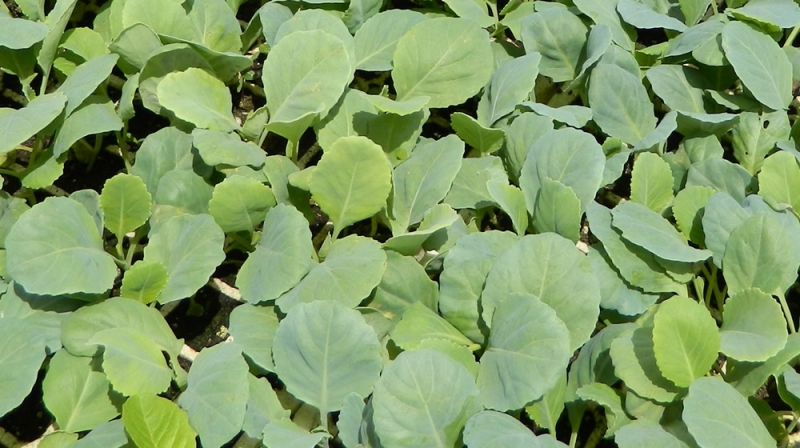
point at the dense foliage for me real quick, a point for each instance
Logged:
(440, 224)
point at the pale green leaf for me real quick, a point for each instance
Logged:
(164, 17)
(439, 217)
(404, 283)
(126, 204)
(108, 435)
(215, 25)
(22, 124)
(95, 116)
(86, 78)
(263, 406)
(557, 210)
(190, 247)
(351, 116)
(547, 410)
(377, 39)
(608, 398)
(523, 133)
(605, 12)
(635, 364)
(490, 429)
(784, 14)
(219, 148)
(528, 350)
(486, 140)
(325, 351)
(641, 16)
(78, 396)
(144, 281)
(721, 175)
(436, 394)
(240, 204)
(680, 87)
(420, 323)
(512, 201)
(644, 433)
(689, 210)
(575, 116)
(754, 137)
(615, 293)
(160, 152)
(21, 355)
(779, 180)
(195, 96)
(651, 182)
(685, 340)
(17, 34)
(351, 181)
(507, 88)
(620, 104)
(753, 326)
(55, 248)
(132, 362)
(470, 187)
(216, 397)
(253, 329)
(718, 416)
(443, 59)
(153, 422)
(352, 269)
(760, 63)
(559, 36)
(401, 108)
(285, 433)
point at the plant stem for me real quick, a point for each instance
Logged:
(291, 151)
(98, 144)
(254, 89)
(122, 141)
(787, 313)
(714, 7)
(792, 36)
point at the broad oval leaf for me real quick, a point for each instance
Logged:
(304, 75)
(443, 59)
(507, 88)
(760, 63)
(216, 397)
(779, 180)
(253, 329)
(78, 396)
(353, 268)
(420, 323)
(718, 416)
(527, 352)
(219, 148)
(529, 267)
(144, 281)
(22, 352)
(651, 182)
(22, 124)
(559, 36)
(126, 204)
(190, 246)
(351, 181)
(685, 340)
(557, 210)
(162, 151)
(55, 248)
(620, 104)
(132, 362)
(436, 395)
(18, 33)
(199, 98)
(753, 326)
(377, 38)
(153, 422)
(489, 429)
(240, 204)
(325, 351)
(645, 433)
(635, 364)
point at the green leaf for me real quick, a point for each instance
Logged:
(171, 19)
(22, 124)
(240, 204)
(615, 293)
(485, 140)
(179, 192)
(216, 397)
(635, 364)
(285, 247)
(782, 14)
(190, 246)
(350, 417)
(606, 397)
(134, 45)
(352, 269)
(316, 19)
(753, 326)
(351, 116)
(116, 312)
(636, 265)
(755, 136)
(351, 181)
(58, 439)
(473, 10)
(689, 210)
(443, 59)
(420, 323)
(680, 87)
(756, 257)
(507, 89)
(620, 105)
(55, 248)
(285, 433)
(526, 268)
(108, 435)
(470, 187)
(86, 78)
(523, 133)
(199, 98)
(18, 34)
(760, 63)
(21, 355)
(152, 422)
(651, 182)
(512, 201)
(641, 16)
(57, 20)
(215, 25)
(557, 210)
(597, 43)
(95, 116)
(779, 180)
(722, 175)
(748, 377)
(78, 396)
(351, 360)
(559, 36)
(162, 151)
(528, 348)
(718, 416)
(575, 116)
(605, 12)
(126, 204)
(646, 228)
(253, 329)
(488, 429)
(396, 134)
(685, 340)
(401, 108)
(403, 284)
(423, 180)
(377, 39)
(219, 148)
(304, 75)
(569, 156)
(547, 410)
(465, 269)
(263, 407)
(437, 394)
(132, 362)
(644, 433)
(144, 281)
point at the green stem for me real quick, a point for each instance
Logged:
(714, 7)
(122, 141)
(291, 151)
(98, 144)
(787, 313)
(792, 36)
(134, 244)
(11, 173)
(719, 371)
